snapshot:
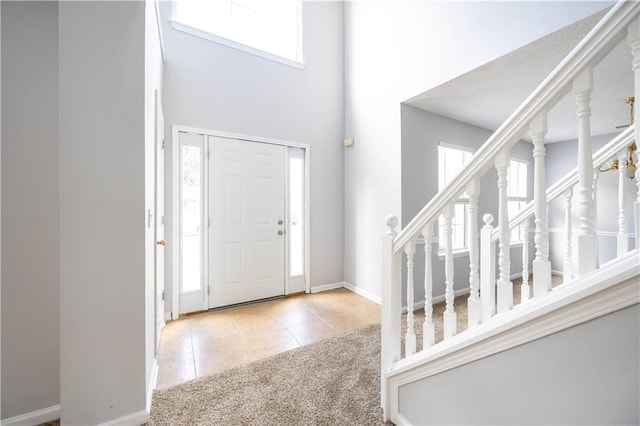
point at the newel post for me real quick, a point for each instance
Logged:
(587, 243)
(391, 294)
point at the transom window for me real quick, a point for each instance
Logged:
(269, 26)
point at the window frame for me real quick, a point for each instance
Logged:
(206, 35)
(518, 199)
(462, 200)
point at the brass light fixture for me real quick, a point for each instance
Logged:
(630, 163)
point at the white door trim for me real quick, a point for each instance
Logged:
(175, 176)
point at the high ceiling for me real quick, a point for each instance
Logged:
(487, 96)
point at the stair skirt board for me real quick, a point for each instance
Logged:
(566, 306)
(35, 417)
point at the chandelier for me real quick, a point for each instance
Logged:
(629, 162)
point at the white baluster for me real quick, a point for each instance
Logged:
(449, 318)
(634, 41)
(505, 286)
(428, 329)
(487, 269)
(622, 237)
(541, 264)
(474, 314)
(525, 289)
(410, 336)
(594, 189)
(390, 333)
(568, 262)
(587, 240)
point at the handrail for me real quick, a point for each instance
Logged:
(621, 141)
(608, 32)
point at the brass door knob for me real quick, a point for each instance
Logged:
(161, 242)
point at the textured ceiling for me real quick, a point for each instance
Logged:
(488, 95)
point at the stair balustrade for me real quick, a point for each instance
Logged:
(491, 291)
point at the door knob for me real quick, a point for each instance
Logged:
(280, 232)
(161, 242)
(280, 222)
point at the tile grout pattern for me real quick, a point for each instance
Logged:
(206, 343)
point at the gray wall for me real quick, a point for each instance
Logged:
(421, 133)
(102, 210)
(394, 51)
(212, 86)
(30, 259)
(587, 374)
(559, 160)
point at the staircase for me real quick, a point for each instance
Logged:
(411, 351)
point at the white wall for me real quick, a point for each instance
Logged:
(587, 374)
(102, 211)
(212, 86)
(396, 50)
(30, 260)
(152, 84)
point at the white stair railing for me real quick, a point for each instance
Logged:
(574, 74)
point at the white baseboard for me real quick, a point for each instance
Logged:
(326, 287)
(138, 418)
(364, 293)
(35, 417)
(401, 421)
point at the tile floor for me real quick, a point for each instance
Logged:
(210, 342)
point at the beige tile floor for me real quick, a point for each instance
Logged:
(206, 343)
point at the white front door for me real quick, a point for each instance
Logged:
(247, 211)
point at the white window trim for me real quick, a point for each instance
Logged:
(460, 252)
(188, 29)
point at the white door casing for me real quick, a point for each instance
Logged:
(247, 210)
(192, 199)
(195, 301)
(159, 221)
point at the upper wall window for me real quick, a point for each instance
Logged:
(268, 28)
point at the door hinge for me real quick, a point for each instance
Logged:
(162, 143)
(162, 294)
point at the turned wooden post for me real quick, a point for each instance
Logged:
(428, 328)
(541, 263)
(487, 269)
(587, 242)
(505, 286)
(474, 314)
(450, 320)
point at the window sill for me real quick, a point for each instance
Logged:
(235, 45)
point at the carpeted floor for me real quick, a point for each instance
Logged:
(335, 381)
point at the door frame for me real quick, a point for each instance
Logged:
(175, 205)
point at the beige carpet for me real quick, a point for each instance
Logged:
(332, 382)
